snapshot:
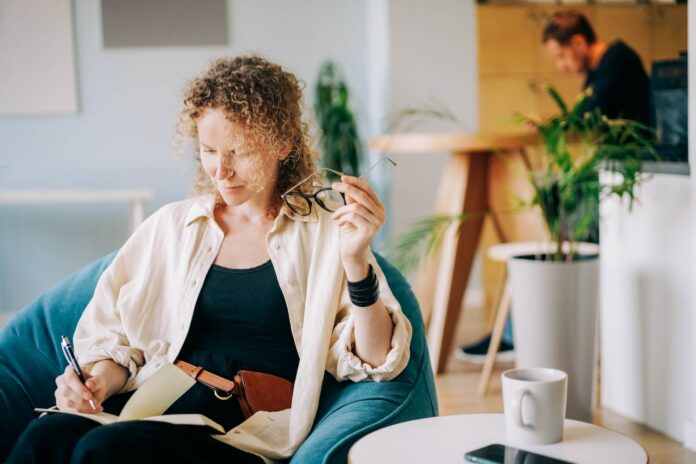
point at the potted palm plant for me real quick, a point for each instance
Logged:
(555, 293)
(341, 148)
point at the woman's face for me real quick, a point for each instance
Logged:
(238, 175)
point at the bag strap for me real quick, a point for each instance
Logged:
(222, 387)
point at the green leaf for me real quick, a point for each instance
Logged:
(577, 145)
(423, 238)
(341, 148)
(557, 98)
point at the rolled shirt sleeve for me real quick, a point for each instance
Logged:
(102, 331)
(99, 334)
(342, 362)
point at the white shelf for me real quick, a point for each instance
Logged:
(14, 197)
(136, 198)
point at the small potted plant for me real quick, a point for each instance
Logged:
(341, 148)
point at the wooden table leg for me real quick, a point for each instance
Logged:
(503, 312)
(508, 183)
(462, 190)
(445, 203)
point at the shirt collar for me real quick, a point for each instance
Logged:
(204, 206)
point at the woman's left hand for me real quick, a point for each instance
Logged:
(359, 221)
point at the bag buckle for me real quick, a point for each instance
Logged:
(222, 396)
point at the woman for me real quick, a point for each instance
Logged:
(232, 279)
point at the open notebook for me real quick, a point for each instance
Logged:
(151, 400)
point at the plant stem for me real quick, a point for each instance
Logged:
(559, 244)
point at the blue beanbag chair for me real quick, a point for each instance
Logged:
(30, 360)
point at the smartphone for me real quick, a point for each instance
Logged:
(501, 454)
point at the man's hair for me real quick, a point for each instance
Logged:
(563, 25)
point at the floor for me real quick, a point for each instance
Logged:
(456, 391)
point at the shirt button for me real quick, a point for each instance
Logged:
(277, 246)
(193, 284)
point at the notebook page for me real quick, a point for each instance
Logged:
(103, 417)
(188, 419)
(158, 393)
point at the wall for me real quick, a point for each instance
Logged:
(440, 69)
(646, 305)
(648, 318)
(121, 136)
(431, 60)
(690, 426)
(394, 54)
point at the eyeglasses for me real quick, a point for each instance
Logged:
(327, 198)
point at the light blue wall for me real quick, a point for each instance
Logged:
(394, 53)
(122, 134)
(432, 58)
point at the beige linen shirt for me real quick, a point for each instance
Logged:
(143, 305)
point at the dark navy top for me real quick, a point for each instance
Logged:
(240, 321)
(241, 314)
(620, 86)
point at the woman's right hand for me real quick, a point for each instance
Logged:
(72, 395)
(106, 379)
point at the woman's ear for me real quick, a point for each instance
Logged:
(284, 151)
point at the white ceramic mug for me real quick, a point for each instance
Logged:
(534, 400)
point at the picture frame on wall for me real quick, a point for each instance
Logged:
(164, 23)
(39, 71)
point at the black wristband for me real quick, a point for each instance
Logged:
(366, 282)
(365, 292)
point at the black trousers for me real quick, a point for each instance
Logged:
(65, 438)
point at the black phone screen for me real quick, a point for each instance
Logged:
(501, 454)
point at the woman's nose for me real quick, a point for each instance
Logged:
(225, 167)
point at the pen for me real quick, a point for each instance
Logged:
(70, 357)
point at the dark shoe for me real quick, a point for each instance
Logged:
(476, 352)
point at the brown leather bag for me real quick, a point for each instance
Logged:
(255, 391)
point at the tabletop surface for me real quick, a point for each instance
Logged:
(445, 439)
(465, 142)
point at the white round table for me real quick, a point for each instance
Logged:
(445, 439)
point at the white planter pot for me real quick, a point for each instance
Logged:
(554, 312)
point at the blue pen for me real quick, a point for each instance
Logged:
(70, 357)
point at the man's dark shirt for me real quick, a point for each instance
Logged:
(620, 86)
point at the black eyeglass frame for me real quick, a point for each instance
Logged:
(314, 197)
(308, 199)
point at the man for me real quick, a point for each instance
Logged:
(620, 86)
(620, 89)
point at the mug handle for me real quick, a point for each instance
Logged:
(519, 420)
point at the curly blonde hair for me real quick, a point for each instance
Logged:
(265, 102)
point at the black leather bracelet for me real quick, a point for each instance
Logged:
(366, 282)
(365, 292)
